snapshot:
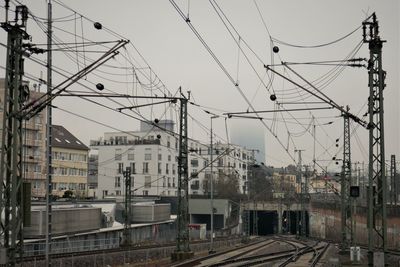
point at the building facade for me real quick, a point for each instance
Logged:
(152, 155)
(229, 162)
(34, 144)
(69, 163)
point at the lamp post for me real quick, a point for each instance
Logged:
(211, 251)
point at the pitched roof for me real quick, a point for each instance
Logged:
(61, 137)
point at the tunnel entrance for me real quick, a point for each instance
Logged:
(291, 219)
(267, 222)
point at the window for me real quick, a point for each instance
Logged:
(151, 137)
(131, 155)
(145, 193)
(169, 182)
(145, 167)
(73, 172)
(244, 166)
(118, 192)
(159, 157)
(133, 167)
(117, 182)
(120, 168)
(159, 168)
(118, 154)
(121, 139)
(194, 163)
(147, 156)
(166, 168)
(173, 169)
(173, 182)
(169, 157)
(82, 172)
(244, 177)
(147, 181)
(36, 184)
(163, 182)
(105, 193)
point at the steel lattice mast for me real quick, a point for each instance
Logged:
(11, 152)
(182, 240)
(346, 200)
(377, 191)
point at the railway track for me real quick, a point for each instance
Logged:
(289, 252)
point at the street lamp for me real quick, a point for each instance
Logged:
(212, 251)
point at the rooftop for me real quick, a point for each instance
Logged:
(62, 138)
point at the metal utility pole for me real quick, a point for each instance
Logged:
(128, 206)
(49, 185)
(394, 194)
(377, 191)
(304, 197)
(255, 218)
(11, 238)
(314, 139)
(182, 240)
(346, 200)
(211, 251)
(300, 180)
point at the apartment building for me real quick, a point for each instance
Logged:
(229, 161)
(152, 155)
(70, 163)
(34, 143)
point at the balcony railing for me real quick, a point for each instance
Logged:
(30, 158)
(32, 142)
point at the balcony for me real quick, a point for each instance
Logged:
(32, 142)
(33, 126)
(121, 143)
(30, 175)
(32, 159)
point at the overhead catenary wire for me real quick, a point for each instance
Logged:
(219, 63)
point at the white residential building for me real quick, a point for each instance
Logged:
(229, 159)
(152, 154)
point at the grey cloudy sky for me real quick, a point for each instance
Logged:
(179, 59)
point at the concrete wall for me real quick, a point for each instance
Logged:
(64, 221)
(325, 222)
(151, 213)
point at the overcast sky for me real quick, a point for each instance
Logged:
(178, 58)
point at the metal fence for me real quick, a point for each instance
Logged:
(67, 246)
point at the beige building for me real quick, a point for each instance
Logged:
(284, 182)
(70, 163)
(34, 144)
